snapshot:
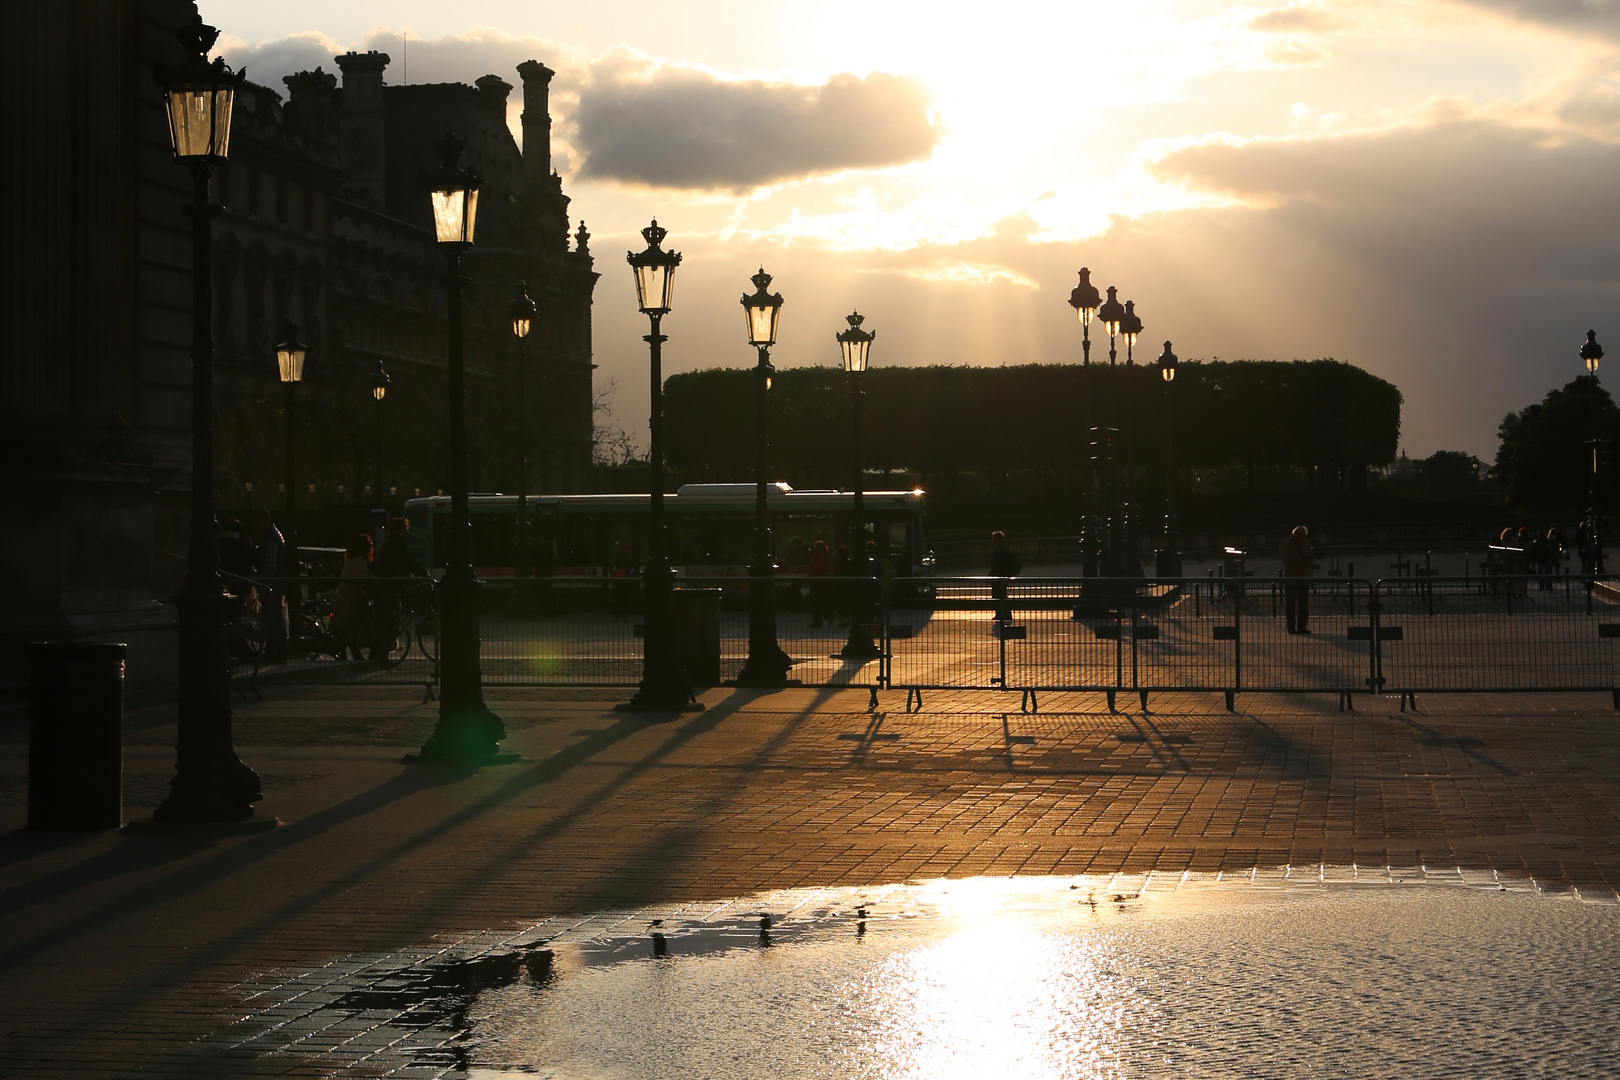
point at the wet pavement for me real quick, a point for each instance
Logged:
(136, 952)
(1320, 971)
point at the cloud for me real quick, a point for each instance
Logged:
(1596, 16)
(1299, 18)
(679, 127)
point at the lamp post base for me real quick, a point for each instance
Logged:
(660, 699)
(469, 735)
(767, 667)
(221, 790)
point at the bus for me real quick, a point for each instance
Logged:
(710, 526)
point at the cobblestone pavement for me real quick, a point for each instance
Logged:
(120, 948)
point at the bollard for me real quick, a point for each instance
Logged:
(75, 736)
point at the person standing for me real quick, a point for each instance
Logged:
(820, 598)
(350, 609)
(1295, 553)
(1003, 564)
(273, 568)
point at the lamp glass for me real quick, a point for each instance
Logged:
(1085, 314)
(378, 392)
(290, 359)
(520, 327)
(1169, 374)
(655, 287)
(200, 120)
(762, 320)
(855, 354)
(1591, 365)
(455, 214)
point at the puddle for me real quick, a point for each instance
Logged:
(1336, 972)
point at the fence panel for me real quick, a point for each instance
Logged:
(1441, 634)
(1333, 654)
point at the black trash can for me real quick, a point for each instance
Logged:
(697, 634)
(76, 736)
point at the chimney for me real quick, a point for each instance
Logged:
(536, 124)
(492, 93)
(361, 125)
(309, 96)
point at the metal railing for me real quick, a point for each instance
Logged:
(1139, 636)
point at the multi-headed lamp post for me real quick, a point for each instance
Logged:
(466, 730)
(521, 314)
(210, 782)
(379, 390)
(767, 664)
(856, 346)
(665, 684)
(1112, 314)
(1591, 353)
(1169, 560)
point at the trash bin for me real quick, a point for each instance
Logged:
(1232, 560)
(697, 634)
(76, 736)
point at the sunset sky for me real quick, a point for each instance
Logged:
(1425, 189)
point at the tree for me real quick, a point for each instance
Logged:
(1543, 461)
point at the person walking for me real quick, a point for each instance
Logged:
(350, 607)
(394, 563)
(272, 567)
(1295, 553)
(821, 608)
(1003, 564)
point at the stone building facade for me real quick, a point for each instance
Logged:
(323, 224)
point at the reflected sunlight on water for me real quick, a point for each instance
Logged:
(985, 979)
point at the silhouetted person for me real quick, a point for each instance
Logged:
(394, 561)
(349, 611)
(821, 604)
(1003, 564)
(271, 565)
(1295, 553)
(235, 554)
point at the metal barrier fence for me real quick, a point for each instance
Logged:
(1497, 633)
(1134, 635)
(1031, 635)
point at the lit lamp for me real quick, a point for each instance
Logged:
(767, 664)
(1591, 352)
(379, 390)
(665, 684)
(1130, 326)
(1085, 299)
(1112, 314)
(210, 782)
(855, 344)
(466, 730)
(520, 313)
(1169, 559)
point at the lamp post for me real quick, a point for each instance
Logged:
(1112, 314)
(466, 730)
(210, 782)
(767, 664)
(1085, 300)
(1169, 559)
(855, 345)
(290, 353)
(665, 685)
(1591, 353)
(379, 390)
(521, 312)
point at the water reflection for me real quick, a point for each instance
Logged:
(1057, 979)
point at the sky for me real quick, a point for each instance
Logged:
(1423, 188)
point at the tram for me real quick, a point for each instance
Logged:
(711, 530)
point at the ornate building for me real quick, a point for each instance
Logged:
(324, 223)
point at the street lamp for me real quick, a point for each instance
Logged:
(1112, 314)
(290, 353)
(1085, 299)
(855, 345)
(379, 390)
(1592, 555)
(466, 730)
(1130, 326)
(210, 782)
(521, 313)
(767, 664)
(665, 685)
(1169, 559)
